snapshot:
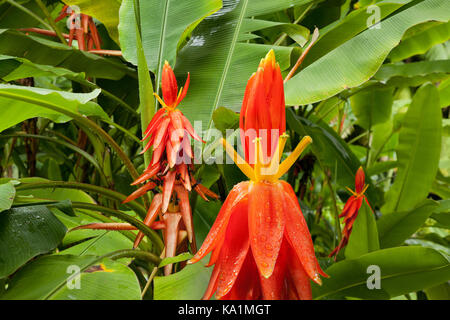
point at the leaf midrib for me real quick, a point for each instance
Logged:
(161, 43)
(226, 68)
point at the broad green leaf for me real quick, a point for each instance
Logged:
(55, 278)
(103, 243)
(354, 23)
(395, 228)
(25, 233)
(106, 11)
(30, 101)
(418, 152)
(162, 25)
(413, 74)
(298, 33)
(7, 194)
(380, 167)
(440, 292)
(402, 270)
(188, 284)
(181, 257)
(444, 93)
(357, 60)
(43, 51)
(372, 105)
(364, 236)
(220, 64)
(58, 194)
(332, 152)
(225, 118)
(204, 216)
(442, 213)
(421, 42)
(13, 68)
(13, 17)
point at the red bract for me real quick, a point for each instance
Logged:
(351, 208)
(84, 30)
(168, 138)
(168, 133)
(263, 108)
(260, 244)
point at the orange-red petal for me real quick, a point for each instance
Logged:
(141, 191)
(298, 233)
(236, 195)
(169, 85)
(169, 180)
(152, 214)
(266, 224)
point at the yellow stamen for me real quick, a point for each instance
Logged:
(352, 192)
(364, 190)
(178, 96)
(358, 194)
(262, 170)
(276, 157)
(258, 159)
(160, 100)
(290, 160)
(241, 163)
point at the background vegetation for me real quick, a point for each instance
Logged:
(376, 96)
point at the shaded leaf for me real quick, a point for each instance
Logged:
(372, 105)
(7, 194)
(25, 233)
(418, 152)
(364, 236)
(30, 101)
(332, 152)
(420, 42)
(402, 270)
(55, 278)
(43, 51)
(188, 284)
(357, 60)
(396, 227)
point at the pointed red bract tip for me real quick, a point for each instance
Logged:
(263, 106)
(359, 180)
(169, 85)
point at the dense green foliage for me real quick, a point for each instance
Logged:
(370, 95)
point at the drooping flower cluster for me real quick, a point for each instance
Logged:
(260, 244)
(82, 28)
(170, 168)
(351, 209)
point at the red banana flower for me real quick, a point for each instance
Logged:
(85, 32)
(260, 244)
(168, 132)
(82, 29)
(171, 165)
(351, 208)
